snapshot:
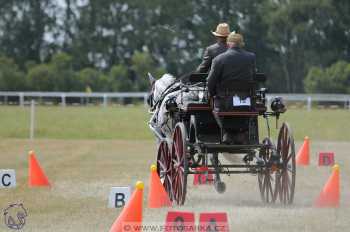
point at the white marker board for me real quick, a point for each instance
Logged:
(7, 178)
(119, 196)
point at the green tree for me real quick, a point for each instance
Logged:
(298, 33)
(11, 79)
(93, 79)
(63, 73)
(288, 36)
(119, 79)
(23, 27)
(41, 78)
(334, 79)
(57, 75)
(142, 63)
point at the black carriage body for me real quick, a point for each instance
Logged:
(200, 118)
(197, 141)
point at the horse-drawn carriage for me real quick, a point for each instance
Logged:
(195, 144)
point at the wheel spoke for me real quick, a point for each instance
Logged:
(270, 188)
(277, 181)
(182, 169)
(176, 148)
(266, 187)
(163, 166)
(288, 158)
(288, 187)
(290, 169)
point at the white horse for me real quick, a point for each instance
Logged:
(165, 92)
(162, 90)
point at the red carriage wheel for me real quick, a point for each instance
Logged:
(285, 176)
(266, 178)
(180, 164)
(164, 167)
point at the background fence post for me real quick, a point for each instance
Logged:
(32, 119)
(63, 100)
(21, 99)
(309, 101)
(105, 100)
(145, 100)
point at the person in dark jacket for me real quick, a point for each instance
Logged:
(221, 33)
(234, 64)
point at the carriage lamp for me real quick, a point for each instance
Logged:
(278, 106)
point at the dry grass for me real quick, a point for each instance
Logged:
(82, 173)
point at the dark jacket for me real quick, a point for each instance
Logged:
(234, 64)
(210, 53)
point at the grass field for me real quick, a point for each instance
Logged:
(87, 150)
(131, 123)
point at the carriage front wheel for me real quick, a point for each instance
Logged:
(266, 176)
(179, 163)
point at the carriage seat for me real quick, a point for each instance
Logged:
(236, 98)
(234, 109)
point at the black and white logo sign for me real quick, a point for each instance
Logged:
(15, 216)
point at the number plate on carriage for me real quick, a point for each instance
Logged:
(237, 101)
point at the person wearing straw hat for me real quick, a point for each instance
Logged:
(234, 64)
(221, 33)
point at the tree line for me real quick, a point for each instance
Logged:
(109, 45)
(59, 75)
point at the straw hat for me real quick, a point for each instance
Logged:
(237, 39)
(222, 30)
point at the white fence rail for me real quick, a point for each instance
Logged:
(23, 98)
(105, 97)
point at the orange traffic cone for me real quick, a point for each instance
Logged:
(37, 176)
(303, 156)
(130, 219)
(330, 195)
(157, 196)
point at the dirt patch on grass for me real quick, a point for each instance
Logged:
(82, 172)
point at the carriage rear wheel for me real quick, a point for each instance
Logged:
(285, 176)
(164, 167)
(179, 163)
(266, 178)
